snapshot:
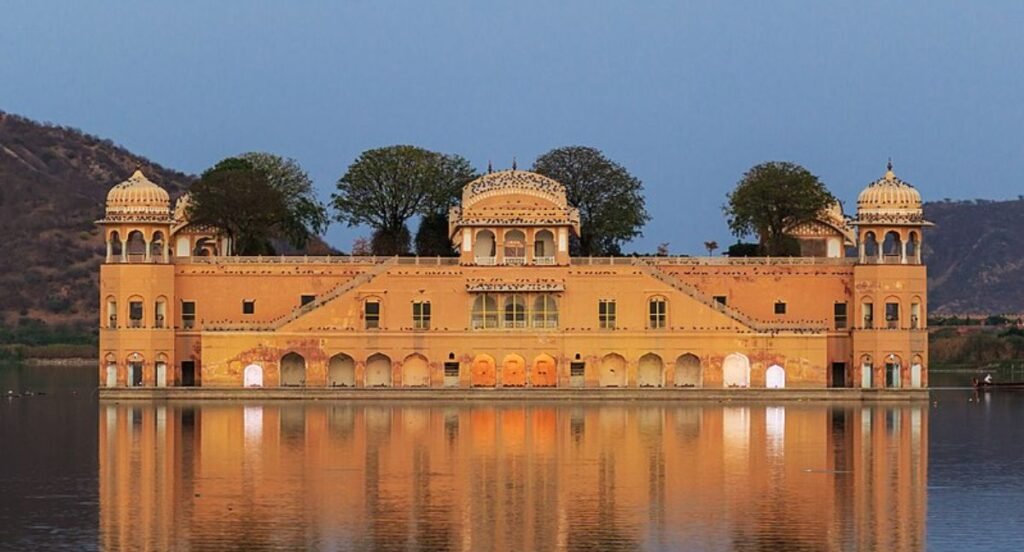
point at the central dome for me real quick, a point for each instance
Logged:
(513, 182)
(138, 197)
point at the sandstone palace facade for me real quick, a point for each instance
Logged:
(514, 308)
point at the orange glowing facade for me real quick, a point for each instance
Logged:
(514, 309)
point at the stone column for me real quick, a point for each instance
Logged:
(110, 249)
(149, 253)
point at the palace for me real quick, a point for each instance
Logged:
(514, 309)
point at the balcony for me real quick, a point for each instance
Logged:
(515, 261)
(544, 261)
(486, 261)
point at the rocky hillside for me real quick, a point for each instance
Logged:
(975, 256)
(53, 183)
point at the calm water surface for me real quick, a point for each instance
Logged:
(79, 474)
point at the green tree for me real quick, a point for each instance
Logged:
(307, 216)
(240, 201)
(770, 199)
(385, 187)
(256, 198)
(609, 198)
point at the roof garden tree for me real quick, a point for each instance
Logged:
(257, 198)
(307, 216)
(772, 197)
(432, 237)
(385, 187)
(609, 198)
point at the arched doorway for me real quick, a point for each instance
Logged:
(482, 373)
(736, 371)
(111, 364)
(893, 372)
(161, 370)
(484, 247)
(378, 371)
(341, 371)
(545, 371)
(613, 371)
(650, 372)
(688, 371)
(415, 371)
(135, 374)
(513, 371)
(252, 376)
(293, 370)
(866, 372)
(775, 377)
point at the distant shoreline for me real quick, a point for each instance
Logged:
(76, 362)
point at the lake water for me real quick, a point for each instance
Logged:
(79, 474)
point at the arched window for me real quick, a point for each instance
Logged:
(115, 247)
(485, 312)
(111, 312)
(515, 311)
(913, 249)
(515, 247)
(160, 312)
(870, 247)
(484, 247)
(915, 313)
(657, 312)
(867, 312)
(136, 246)
(892, 312)
(293, 370)
(892, 247)
(135, 312)
(544, 248)
(545, 312)
(158, 247)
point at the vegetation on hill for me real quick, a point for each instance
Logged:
(973, 252)
(53, 185)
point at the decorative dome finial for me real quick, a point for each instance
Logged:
(513, 162)
(490, 168)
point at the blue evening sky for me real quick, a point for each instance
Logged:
(686, 95)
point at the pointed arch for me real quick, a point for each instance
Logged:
(482, 372)
(415, 371)
(689, 372)
(775, 377)
(736, 370)
(513, 371)
(341, 371)
(613, 371)
(378, 371)
(252, 376)
(650, 371)
(293, 370)
(545, 371)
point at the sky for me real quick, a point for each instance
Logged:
(687, 95)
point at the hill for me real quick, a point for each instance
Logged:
(974, 256)
(53, 184)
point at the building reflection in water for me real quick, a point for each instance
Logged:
(438, 477)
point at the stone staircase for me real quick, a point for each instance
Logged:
(335, 292)
(708, 301)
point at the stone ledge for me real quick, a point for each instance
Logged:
(517, 394)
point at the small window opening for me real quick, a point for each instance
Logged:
(780, 307)
(248, 306)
